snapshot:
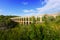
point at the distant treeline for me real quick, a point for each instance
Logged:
(6, 22)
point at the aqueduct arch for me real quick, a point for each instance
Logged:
(26, 20)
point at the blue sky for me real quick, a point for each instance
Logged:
(28, 7)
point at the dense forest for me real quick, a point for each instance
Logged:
(47, 30)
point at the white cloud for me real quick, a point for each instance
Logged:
(52, 6)
(25, 3)
(29, 10)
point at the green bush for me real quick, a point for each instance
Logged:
(43, 31)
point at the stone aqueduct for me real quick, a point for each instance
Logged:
(26, 19)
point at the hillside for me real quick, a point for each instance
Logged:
(48, 30)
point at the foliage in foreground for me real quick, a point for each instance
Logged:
(49, 30)
(32, 32)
